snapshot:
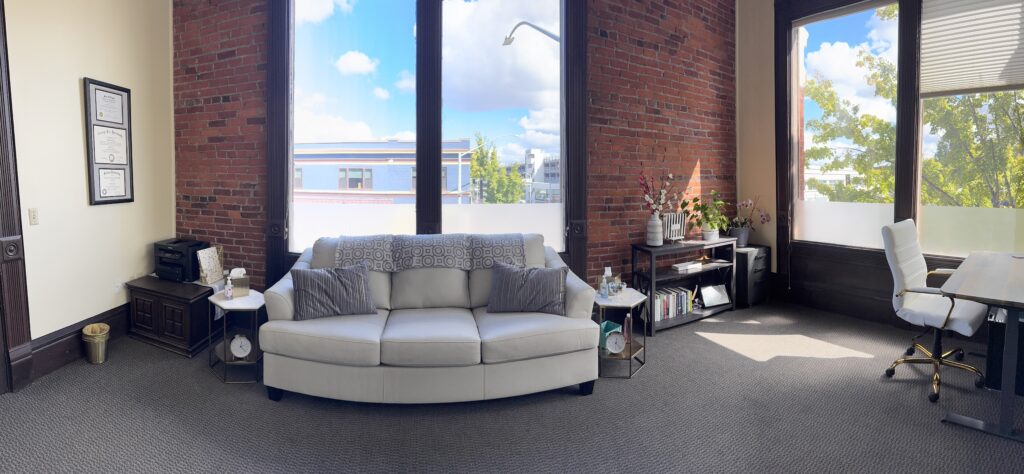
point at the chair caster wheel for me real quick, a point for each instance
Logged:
(934, 397)
(890, 372)
(980, 382)
(910, 351)
(959, 356)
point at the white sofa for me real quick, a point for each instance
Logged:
(432, 339)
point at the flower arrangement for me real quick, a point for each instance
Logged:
(658, 200)
(749, 207)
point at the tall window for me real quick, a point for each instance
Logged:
(972, 154)
(355, 109)
(501, 90)
(845, 126)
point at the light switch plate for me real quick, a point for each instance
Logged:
(33, 216)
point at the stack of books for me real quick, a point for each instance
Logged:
(671, 303)
(687, 267)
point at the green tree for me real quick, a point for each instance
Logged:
(495, 183)
(979, 160)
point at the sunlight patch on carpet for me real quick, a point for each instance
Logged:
(716, 320)
(764, 347)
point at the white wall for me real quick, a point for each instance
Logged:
(79, 256)
(755, 111)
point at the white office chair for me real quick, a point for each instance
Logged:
(920, 305)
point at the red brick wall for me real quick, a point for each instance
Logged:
(661, 100)
(220, 60)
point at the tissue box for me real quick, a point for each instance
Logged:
(241, 286)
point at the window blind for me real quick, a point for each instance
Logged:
(971, 46)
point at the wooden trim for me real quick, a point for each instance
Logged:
(574, 132)
(428, 116)
(59, 348)
(783, 140)
(279, 137)
(14, 321)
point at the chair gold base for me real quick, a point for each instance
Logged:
(950, 358)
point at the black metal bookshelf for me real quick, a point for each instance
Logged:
(721, 269)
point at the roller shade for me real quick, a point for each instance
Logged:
(971, 46)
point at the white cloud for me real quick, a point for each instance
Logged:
(381, 93)
(479, 74)
(837, 62)
(314, 125)
(406, 81)
(544, 120)
(405, 135)
(356, 62)
(315, 11)
(544, 140)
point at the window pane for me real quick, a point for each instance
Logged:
(972, 174)
(354, 110)
(502, 118)
(845, 126)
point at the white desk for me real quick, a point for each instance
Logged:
(995, 279)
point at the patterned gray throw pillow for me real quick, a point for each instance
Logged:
(539, 290)
(327, 292)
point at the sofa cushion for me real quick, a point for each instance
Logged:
(480, 278)
(323, 256)
(430, 337)
(430, 288)
(326, 292)
(507, 337)
(527, 290)
(344, 340)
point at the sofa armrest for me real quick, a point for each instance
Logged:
(579, 296)
(280, 298)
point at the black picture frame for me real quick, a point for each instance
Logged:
(117, 126)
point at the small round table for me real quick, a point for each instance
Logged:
(249, 305)
(628, 299)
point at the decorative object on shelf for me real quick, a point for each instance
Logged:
(210, 268)
(241, 347)
(675, 223)
(742, 225)
(713, 295)
(709, 217)
(620, 347)
(108, 124)
(658, 200)
(240, 282)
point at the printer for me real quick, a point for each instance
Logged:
(176, 259)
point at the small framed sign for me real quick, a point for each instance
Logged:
(108, 139)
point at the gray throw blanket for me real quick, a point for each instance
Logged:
(394, 253)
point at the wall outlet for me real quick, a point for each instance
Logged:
(33, 216)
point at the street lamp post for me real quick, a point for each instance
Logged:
(471, 150)
(509, 39)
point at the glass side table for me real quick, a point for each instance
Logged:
(239, 347)
(634, 356)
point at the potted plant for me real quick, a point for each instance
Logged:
(709, 216)
(743, 224)
(657, 200)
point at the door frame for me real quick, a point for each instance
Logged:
(15, 336)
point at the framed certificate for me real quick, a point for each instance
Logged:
(108, 137)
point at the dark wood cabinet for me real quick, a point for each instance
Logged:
(169, 314)
(753, 268)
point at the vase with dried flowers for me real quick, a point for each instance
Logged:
(743, 223)
(657, 200)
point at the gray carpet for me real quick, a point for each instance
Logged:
(698, 407)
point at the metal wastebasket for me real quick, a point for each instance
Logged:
(95, 337)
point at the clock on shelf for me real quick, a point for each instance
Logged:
(241, 347)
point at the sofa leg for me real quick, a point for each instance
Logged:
(587, 388)
(274, 394)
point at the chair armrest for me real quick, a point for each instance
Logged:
(280, 298)
(925, 290)
(579, 296)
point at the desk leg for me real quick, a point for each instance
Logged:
(1004, 427)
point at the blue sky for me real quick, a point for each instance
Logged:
(355, 63)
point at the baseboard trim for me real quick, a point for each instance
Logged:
(61, 347)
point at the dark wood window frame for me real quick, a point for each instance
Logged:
(428, 128)
(841, 278)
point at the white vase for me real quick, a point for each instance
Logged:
(655, 232)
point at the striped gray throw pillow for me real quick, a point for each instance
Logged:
(534, 290)
(324, 292)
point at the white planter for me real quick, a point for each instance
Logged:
(708, 233)
(655, 232)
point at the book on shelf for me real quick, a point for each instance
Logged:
(687, 267)
(672, 303)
